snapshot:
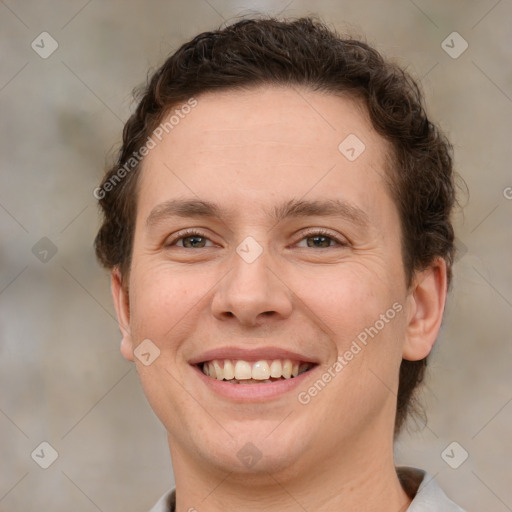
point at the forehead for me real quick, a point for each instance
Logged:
(251, 146)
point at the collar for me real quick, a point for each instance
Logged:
(424, 491)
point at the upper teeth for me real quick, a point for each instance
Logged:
(228, 369)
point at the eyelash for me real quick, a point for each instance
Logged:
(314, 232)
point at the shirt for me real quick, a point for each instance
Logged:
(424, 491)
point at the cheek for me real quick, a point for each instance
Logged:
(160, 301)
(162, 310)
(346, 300)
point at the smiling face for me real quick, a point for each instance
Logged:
(293, 253)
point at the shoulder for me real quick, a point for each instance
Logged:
(425, 492)
(167, 503)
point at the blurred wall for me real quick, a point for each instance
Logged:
(62, 378)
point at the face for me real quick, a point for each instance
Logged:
(297, 257)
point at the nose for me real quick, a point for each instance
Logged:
(252, 292)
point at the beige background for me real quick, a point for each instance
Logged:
(62, 379)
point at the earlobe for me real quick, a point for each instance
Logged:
(426, 306)
(122, 305)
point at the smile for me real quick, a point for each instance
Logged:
(271, 371)
(264, 371)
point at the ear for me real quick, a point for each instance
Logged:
(122, 305)
(425, 310)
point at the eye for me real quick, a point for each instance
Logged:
(191, 238)
(321, 239)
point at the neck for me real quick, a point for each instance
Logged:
(362, 478)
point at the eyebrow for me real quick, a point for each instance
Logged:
(293, 208)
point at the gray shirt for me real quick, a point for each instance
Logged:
(426, 494)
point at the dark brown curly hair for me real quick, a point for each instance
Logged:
(302, 52)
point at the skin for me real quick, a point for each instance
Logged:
(248, 151)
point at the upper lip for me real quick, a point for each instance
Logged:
(254, 354)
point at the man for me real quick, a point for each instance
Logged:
(277, 226)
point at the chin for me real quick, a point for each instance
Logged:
(254, 452)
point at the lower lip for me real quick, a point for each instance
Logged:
(253, 392)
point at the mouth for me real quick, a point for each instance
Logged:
(263, 371)
(253, 375)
